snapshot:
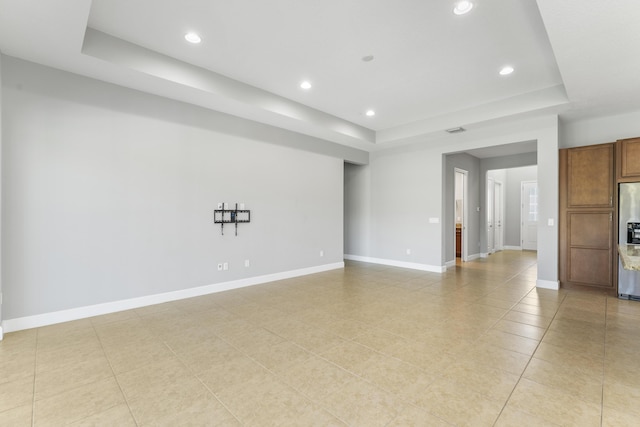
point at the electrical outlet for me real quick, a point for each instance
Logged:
(219, 267)
(247, 263)
(241, 206)
(219, 206)
(408, 251)
(225, 266)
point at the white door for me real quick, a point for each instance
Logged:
(529, 229)
(497, 216)
(490, 209)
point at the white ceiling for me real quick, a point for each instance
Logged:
(431, 70)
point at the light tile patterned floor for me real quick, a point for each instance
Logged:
(368, 345)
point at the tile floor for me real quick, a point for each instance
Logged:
(369, 345)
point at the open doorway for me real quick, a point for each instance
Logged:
(460, 210)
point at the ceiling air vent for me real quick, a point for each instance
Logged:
(456, 130)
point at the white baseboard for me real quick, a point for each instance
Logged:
(513, 248)
(36, 321)
(394, 263)
(484, 255)
(474, 256)
(548, 284)
(450, 264)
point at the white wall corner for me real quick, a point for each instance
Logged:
(450, 264)
(484, 255)
(548, 284)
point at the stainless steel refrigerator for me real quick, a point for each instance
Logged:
(629, 235)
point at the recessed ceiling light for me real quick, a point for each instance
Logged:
(305, 85)
(192, 38)
(506, 70)
(463, 7)
(370, 113)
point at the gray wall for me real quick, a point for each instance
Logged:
(599, 130)
(472, 165)
(108, 194)
(408, 188)
(357, 209)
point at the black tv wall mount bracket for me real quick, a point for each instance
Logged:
(230, 216)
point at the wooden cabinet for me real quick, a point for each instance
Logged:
(628, 159)
(587, 217)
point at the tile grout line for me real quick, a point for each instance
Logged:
(506, 402)
(115, 377)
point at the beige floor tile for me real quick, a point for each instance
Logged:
(395, 376)
(16, 393)
(615, 418)
(552, 404)
(316, 378)
(118, 415)
(79, 403)
(52, 382)
(349, 355)
(378, 339)
(20, 416)
(152, 378)
(489, 356)
(529, 319)
(205, 354)
(459, 405)
(280, 357)
(231, 372)
(491, 382)
(576, 341)
(114, 317)
(417, 417)
(622, 397)
(179, 399)
(521, 329)
(360, 403)
(55, 341)
(586, 363)
(19, 365)
(510, 341)
(510, 417)
(567, 378)
(131, 356)
(68, 356)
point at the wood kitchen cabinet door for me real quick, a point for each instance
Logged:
(590, 248)
(629, 159)
(587, 253)
(590, 176)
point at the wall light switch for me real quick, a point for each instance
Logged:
(550, 222)
(241, 206)
(321, 253)
(219, 206)
(434, 220)
(225, 266)
(408, 251)
(226, 206)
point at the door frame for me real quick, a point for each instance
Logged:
(464, 253)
